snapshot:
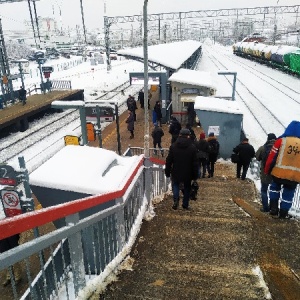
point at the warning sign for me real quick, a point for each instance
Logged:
(71, 140)
(11, 202)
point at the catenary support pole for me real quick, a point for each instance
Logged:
(146, 131)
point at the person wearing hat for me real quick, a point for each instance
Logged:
(283, 164)
(157, 134)
(182, 167)
(246, 152)
(214, 148)
(261, 155)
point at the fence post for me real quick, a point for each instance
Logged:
(148, 181)
(76, 254)
(120, 223)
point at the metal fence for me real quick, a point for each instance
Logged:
(66, 260)
(61, 84)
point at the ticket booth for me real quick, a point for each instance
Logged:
(222, 117)
(186, 86)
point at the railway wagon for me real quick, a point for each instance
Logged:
(286, 58)
(186, 85)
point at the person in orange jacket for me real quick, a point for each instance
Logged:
(283, 163)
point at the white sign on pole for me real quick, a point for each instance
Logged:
(214, 129)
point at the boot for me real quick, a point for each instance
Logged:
(175, 205)
(284, 214)
(274, 208)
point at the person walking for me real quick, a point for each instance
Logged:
(174, 129)
(158, 113)
(191, 113)
(261, 155)
(149, 98)
(193, 135)
(182, 167)
(246, 152)
(202, 154)
(214, 148)
(130, 123)
(141, 98)
(131, 105)
(22, 95)
(157, 134)
(283, 163)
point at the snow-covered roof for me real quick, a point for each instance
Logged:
(193, 77)
(171, 55)
(85, 169)
(217, 105)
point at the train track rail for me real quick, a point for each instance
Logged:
(289, 92)
(51, 131)
(256, 106)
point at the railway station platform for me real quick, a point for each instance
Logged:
(223, 248)
(17, 115)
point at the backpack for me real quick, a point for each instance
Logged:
(213, 148)
(265, 154)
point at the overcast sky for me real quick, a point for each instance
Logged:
(13, 14)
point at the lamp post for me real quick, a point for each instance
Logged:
(146, 139)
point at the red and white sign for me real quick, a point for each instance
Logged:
(11, 203)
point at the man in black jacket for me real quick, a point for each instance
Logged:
(174, 129)
(157, 134)
(22, 95)
(182, 166)
(246, 152)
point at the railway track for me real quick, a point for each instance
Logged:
(45, 138)
(256, 105)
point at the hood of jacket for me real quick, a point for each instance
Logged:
(293, 129)
(183, 142)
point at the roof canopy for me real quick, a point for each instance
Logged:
(192, 77)
(171, 55)
(217, 105)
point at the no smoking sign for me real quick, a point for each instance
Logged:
(11, 203)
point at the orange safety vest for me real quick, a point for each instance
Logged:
(288, 160)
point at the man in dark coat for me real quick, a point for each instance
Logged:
(22, 95)
(131, 105)
(265, 179)
(191, 113)
(246, 152)
(182, 166)
(174, 129)
(283, 164)
(141, 98)
(202, 154)
(157, 110)
(157, 134)
(214, 148)
(130, 123)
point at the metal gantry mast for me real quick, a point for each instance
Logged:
(83, 24)
(5, 80)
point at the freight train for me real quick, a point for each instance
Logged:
(285, 58)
